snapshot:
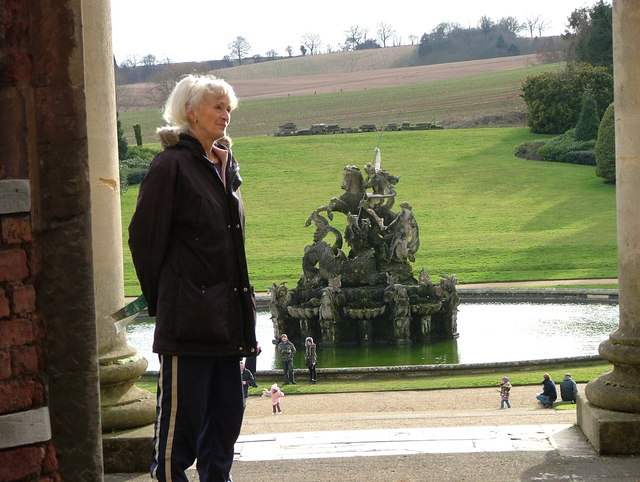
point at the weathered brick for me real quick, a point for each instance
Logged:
(38, 394)
(18, 396)
(5, 311)
(18, 68)
(16, 8)
(16, 332)
(23, 299)
(24, 361)
(23, 463)
(16, 229)
(13, 265)
(50, 462)
(5, 365)
(34, 256)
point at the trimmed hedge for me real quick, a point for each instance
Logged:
(564, 148)
(144, 152)
(606, 147)
(584, 158)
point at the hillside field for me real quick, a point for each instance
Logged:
(468, 100)
(484, 215)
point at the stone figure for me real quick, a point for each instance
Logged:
(368, 294)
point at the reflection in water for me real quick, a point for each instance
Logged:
(489, 332)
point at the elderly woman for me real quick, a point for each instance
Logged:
(187, 243)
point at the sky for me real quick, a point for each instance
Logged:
(198, 30)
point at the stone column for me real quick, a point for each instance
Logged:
(122, 404)
(611, 416)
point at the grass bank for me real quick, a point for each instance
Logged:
(483, 214)
(581, 374)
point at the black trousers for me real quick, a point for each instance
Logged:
(199, 416)
(250, 363)
(312, 373)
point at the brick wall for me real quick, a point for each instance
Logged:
(22, 356)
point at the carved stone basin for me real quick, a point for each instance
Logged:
(425, 308)
(368, 313)
(303, 312)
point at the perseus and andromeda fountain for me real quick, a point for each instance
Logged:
(365, 292)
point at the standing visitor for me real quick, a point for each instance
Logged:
(568, 389)
(287, 350)
(247, 381)
(505, 389)
(310, 358)
(251, 364)
(549, 392)
(187, 243)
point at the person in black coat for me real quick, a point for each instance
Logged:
(187, 243)
(251, 364)
(549, 393)
(247, 381)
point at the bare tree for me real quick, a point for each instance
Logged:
(385, 32)
(542, 26)
(131, 61)
(239, 48)
(531, 24)
(413, 39)
(272, 54)
(289, 50)
(163, 83)
(355, 35)
(312, 42)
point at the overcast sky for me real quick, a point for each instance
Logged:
(195, 30)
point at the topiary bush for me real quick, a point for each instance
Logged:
(529, 150)
(588, 122)
(124, 184)
(606, 147)
(137, 131)
(557, 148)
(123, 145)
(584, 158)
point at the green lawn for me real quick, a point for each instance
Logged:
(484, 214)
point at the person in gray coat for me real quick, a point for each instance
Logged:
(568, 389)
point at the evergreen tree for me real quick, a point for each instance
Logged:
(606, 147)
(590, 35)
(123, 146)
(588, 122)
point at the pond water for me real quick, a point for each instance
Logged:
(489, 332)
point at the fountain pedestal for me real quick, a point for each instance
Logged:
(368, 294)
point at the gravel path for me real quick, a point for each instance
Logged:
(403, 409)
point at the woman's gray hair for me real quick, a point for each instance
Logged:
(189, 92)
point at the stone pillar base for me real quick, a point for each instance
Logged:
(610, 433)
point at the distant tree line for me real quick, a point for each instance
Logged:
(450, 42)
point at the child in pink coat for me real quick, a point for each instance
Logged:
(275, 394)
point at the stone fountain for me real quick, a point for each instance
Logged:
(367, 294)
